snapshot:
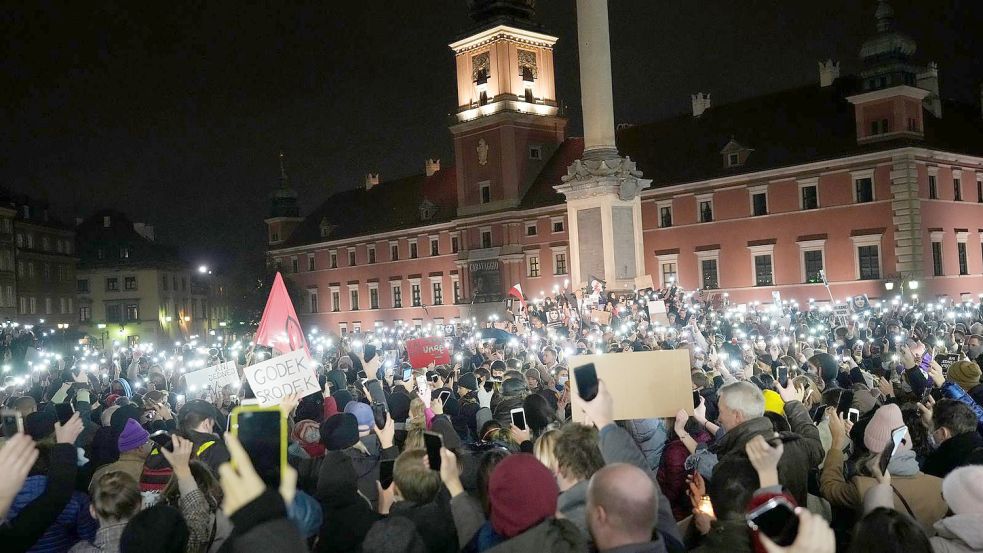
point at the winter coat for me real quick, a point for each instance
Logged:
(672, 475)
(433, 522)
(43, 508)
(958, 534)
(922, 492)
(131, 462)
(803, 449)
(572, 504)
(954, 391)
(503, 411)
(550, 536)
(261, 526)
(650, 435)
(347, 515)
(74, 523)
(957, 451)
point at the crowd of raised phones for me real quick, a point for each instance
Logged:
(813, 430)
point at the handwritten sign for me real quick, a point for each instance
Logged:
(423, 351)
(216, 377)
(945, 360)
(657, 312)
(291, 373)
(601, 317)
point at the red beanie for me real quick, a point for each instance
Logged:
(522, 493)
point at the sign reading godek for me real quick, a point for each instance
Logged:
(291, 373)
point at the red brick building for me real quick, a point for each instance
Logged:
(873, 178)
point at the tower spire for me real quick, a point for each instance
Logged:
(283, 170)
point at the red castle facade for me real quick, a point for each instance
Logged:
(873, 178)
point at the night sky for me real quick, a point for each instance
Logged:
(174, 112)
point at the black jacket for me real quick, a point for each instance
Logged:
(954, 453)
(433, 521)
(262, 526)
(347, 515)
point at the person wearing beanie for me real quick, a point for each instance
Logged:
(522, 497)
(954, 431)
(307, 435)
(363, 415)
(962, 490)
(342, 398)
(774, 403)
(514, 392)
(340, 433)
(347, 516)
(159, 529)
(464, 419)
(134, 447)
(917, 493)
(967, 375)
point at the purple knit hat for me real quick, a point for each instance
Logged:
(132, 437)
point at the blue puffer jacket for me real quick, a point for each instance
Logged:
(72, 525)
(306, 514)
(954, 391)
(650, 435)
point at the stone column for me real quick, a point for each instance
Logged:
(596, 93)
(602, 189)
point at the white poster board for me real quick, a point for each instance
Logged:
(275, 379)
(215, 376)
(657, 312)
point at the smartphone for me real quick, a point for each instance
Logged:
(586, 376)
(783, 375)
(443, 396)
(64, 411)
(386, 473)
(421, 383)
(489, 385)
(776, 519)
(263, 434)
(378, 395)
(379, 413)
(846, 400)
(925, 362)
(518, 417)
(13, 422)
(433, 442)
(819, 415)
(897, 438)
(361, 375)
(696, 399)
(407, 375)
(163, 440)
(369, 352)
(853, 415)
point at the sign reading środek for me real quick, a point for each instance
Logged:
(275, 379)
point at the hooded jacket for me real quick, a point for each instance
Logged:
(550, 536)
(347, 515)
(958, 534)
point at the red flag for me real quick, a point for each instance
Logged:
(516, 292)
(279, 328)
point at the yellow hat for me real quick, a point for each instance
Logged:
(774, 402)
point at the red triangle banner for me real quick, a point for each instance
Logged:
(280, 328)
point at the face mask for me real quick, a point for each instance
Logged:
(562, 380)
(312, 435)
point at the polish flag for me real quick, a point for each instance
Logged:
(516, 292)
(280, 328)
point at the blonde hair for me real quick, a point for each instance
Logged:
(544, 449)
(417, 418)
(812, 396)
(414, 439)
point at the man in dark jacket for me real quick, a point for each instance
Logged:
(621, 507)
(954, 429)
(197, 423)
(467, 406)
(514, 392)
(742, 417)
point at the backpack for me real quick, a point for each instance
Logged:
(157, 471)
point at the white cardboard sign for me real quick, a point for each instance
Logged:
(215, 376)
(275, 379)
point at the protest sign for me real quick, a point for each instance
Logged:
(842, 310)
(644, 282)
(776, 298)
(601, 317)
(657, 312)
(643, 384)
(859, 304)
(290, 373)
(423, 351)
(553, 318)
(215, 377)
(945, 360)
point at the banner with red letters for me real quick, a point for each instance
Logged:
(423, 351)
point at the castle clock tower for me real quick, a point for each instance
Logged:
(507, 121)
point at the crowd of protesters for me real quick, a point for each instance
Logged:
(795, 407)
